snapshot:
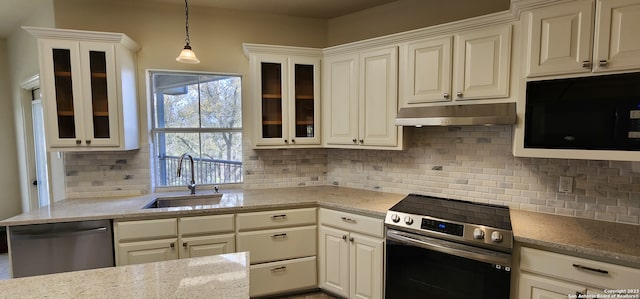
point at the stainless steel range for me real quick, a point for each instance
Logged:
(447, 249)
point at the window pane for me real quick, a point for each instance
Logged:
(221, 102)
(176, 101)
(222, 158)
(217, 158)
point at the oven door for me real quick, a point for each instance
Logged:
(424, 267)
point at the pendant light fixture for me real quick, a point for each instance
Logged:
(187, 55)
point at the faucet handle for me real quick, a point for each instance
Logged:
(216, 188)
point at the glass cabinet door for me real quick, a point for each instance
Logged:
(99, 93)
(272, 76)
(305, 100)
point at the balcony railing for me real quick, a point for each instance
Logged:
(207, 171)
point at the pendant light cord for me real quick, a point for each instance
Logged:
(186, 17)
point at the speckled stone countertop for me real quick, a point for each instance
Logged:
(219, 276)
(600, 240)
(365, 202)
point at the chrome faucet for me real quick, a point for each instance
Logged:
(191, 186)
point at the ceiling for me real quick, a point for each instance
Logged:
(13, 11)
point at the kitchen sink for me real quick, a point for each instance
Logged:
(184, 200)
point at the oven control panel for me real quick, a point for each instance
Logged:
(468, 233)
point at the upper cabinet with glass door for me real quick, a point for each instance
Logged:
(88, 81)
(286, 92)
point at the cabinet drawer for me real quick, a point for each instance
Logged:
(283, 276)
(578, 269)
(352, 222)
(274, 219)
(146, 229)
(213, 224)
(278, 244)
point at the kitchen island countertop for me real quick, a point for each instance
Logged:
(219, 276)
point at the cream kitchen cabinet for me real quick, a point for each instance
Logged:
(282, 246)
(360, 100)
(564, 39)
(143, 241)
(88, 82)
(470, 65)
(286, 92)
(547, 275)
(351, 255)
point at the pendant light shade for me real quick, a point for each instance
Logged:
(187, 55)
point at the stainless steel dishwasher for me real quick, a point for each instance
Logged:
(60, 247)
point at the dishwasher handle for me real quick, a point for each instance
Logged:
(44, 234)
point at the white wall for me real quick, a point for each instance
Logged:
(22, 63)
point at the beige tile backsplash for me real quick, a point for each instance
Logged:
(471, 163)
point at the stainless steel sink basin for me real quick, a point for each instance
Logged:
(184, 200)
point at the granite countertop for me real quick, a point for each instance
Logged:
(218, 276)
(600, 240)
(611, 242)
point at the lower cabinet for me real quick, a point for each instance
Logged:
(351, 263)
(282, 247)
(548, 275)
(145, 241)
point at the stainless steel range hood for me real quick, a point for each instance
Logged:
(458, 115)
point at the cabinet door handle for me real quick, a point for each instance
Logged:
(346, 219)
(293, 141)
(344, 237)
(279, 269)
(446, 95)
(602, 63)
(586, 64)
(279, 217)
(361, 141)
(172, 245)
(354, 140)
(351, 239)
(184, 244)
(578, 266)
(278, 236)
(78, 141)
(459, 94)
(88, 141)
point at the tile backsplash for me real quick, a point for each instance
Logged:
(470, 163)
(476, 163)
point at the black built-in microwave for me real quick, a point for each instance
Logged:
(592, 113)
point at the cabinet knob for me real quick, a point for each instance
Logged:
(344, 237)
(293, 140)
(88, 141)
(78, 141)
(184, 244)
(459, 94)
(354, 140)
(602, 63)
(446, 95)
(351, 239)
(361, 141)
(172, 245)
(586, 64)
(286, 141)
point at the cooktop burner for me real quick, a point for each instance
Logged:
(456, 210)
(479, 224)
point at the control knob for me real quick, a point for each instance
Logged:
(408, 220)
(478, 234)
(496, 237)
(395, 218)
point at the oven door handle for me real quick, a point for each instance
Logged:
(460, 250)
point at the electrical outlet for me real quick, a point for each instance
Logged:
(566, 184)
